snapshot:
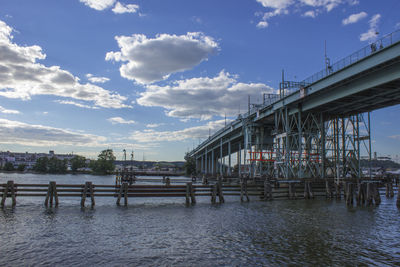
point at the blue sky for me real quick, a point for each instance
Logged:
(156, 76)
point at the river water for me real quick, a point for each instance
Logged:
(164, 232)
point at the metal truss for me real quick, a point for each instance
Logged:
(346, 139)
(308, 146)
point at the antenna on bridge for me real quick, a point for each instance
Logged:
(225, 119)
(281, 86)
(248, 103)
(328, 67)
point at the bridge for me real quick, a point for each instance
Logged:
(316, 128)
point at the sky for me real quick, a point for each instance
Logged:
(157, 77)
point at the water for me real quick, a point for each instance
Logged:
(167, 233)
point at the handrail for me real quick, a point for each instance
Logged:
(364, 52)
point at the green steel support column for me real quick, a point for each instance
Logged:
(343, 148)
(370, 146)
(212, 162)
(246, 140)
(323, 171)
(206, 162)
(300, 144)
(220, 158)
(287, 150)
(358, 145)
(229, 159)
(337, 149)
(240, 159)
(202, 163)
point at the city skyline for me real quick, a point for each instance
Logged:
(157, 78)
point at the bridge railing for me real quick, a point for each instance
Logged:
(364, 52)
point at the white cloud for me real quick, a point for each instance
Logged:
(21, 76)
(8, 111)
(154, 125)
(68, 102)
(98, 4)
(310, 13)
(203, 97)
(354, 18)
(95, 79)
(120, 120)
(276, 4)
(328, 5)
(284, 7)
(125, 8)
(28, 135)
(147, 60)
(19, 133)
(395, 137)
(151, 135)
(262, 24)
(397, 26)
(372, 32)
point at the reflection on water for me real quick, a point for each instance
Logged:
(166, 232)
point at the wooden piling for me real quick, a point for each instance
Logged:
(9, 190)
(361, 193)
(87, 192)
(192, 194)
(292, 191)
(219, 191)
(51, 195)
(308, 194)
(389, 189)
(213, 193)
(369, 198)
(377, 196)
(328, 190)
(5, 192)
(267, 190)
(349, 196)
(338, 190)
(188, 185)
(83, 197)
(243, 190)
(125, 187)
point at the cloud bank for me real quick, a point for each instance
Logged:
(284, 7)
(119, 8)
(119, 120)
(8, 111)
(197, 132)
(354, 18)
(15, 132)
(21, 76)
(203, 97)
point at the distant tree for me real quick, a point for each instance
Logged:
(9, 166)
(56, 165)
(21, 167)
(77, 162)
(190, 165)
(41, 164)
(104, 163)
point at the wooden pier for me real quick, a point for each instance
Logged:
(364, 192)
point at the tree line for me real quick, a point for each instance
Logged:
(103, 165)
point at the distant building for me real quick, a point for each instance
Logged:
(29, 159)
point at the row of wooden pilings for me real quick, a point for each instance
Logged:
(363, 192)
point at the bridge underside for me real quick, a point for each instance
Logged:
(322, 131)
